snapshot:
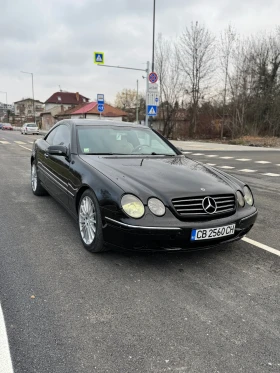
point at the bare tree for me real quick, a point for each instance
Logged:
(126, 99)
(171, 83)
(254, 85)
(196, 58)
(227, 40)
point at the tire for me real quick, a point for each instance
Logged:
(90, 223)
(36, 185)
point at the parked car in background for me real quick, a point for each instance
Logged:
(7, 126)
(30, 128)
(1, 125)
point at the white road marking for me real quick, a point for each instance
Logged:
(261, 246)
(229, 167)
(244, 159)
(198, 154)
(5, 356)
(277, 164)
(247, 170)
(211, 164)
(30, 142)
(5, 142)
(270, 174)
(262, 162)
(20, 142)
(211, 155)
(25, 147)
(226, 157)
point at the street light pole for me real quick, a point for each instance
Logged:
(154, 18)
(25, 72)
(6, 99)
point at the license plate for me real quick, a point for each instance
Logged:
(211, 233)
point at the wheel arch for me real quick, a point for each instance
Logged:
(80, 193)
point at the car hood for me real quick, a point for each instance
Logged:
(165, 177)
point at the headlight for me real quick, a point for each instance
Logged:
(248, 196)
(132, 206)
(156, 206)
(240, 199)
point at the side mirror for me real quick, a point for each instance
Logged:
(58, 150)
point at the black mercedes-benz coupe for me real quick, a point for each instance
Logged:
(128, 187)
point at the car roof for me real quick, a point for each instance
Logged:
(96, 122)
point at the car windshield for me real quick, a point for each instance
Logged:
(113, 140)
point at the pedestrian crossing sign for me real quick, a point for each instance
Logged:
(152, 110)
(98, 58)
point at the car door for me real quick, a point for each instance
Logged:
(57, 167)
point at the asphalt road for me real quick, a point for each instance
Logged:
(67, 311)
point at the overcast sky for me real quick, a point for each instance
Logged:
(55, 39)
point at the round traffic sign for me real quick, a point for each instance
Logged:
(153, 78)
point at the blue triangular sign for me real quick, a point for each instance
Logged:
(152, 111)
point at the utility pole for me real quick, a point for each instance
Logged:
(154, 18)
(137, 108)
(147, 90)
(25, 72)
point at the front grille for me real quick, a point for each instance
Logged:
(192, 206)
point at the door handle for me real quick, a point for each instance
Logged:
(46, 155)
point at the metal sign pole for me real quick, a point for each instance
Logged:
(147, 90)
(137, 107)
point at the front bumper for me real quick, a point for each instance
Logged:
(118, 234)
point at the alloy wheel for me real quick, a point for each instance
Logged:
(87, 220)
(34, 178)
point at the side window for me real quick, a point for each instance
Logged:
(51, 136)
(62, 136)
(59, 136)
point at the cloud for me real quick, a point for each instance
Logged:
(55, 39)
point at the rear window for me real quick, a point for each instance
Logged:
(31, 125)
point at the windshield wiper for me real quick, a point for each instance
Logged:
(166, 155)
(104, 154)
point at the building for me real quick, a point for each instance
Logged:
(57, 103)
(63, 101)
(4, 108)
(90, 111)
(85, 110)
(24, 109)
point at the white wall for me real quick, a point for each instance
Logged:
(54, 107)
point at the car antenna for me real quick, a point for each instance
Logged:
(141, 162)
